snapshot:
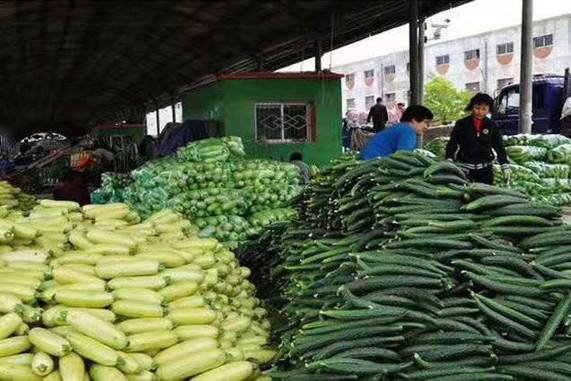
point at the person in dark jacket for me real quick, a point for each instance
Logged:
(474, 140)
(378, 113)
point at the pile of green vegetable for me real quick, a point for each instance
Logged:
(213, 184)
(97, 293)
(112, 187)
(408, 272)
(539, 163)
(13, 198)
(542, 167)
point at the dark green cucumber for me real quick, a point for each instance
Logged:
(494, 244)
(554, 321)
(429, 374)
(534, 356)
(525, 210)
(493, 201)
(343, 345)
(506, 321)
(509, 312)
(444, 167)
(370, 353)
(529, 373)
(397, 314)
(518, 221)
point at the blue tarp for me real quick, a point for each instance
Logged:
(182, 134)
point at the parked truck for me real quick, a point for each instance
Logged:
(549, 95)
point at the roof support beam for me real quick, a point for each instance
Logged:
(318, 53)
(413, 51)
(526, 67)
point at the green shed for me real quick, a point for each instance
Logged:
(275, 114)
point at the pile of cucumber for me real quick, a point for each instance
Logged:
(95, 293)
(415, 274)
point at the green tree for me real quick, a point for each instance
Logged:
(446, 102)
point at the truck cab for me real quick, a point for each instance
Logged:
(548, 95)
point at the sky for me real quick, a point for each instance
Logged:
(475, 17)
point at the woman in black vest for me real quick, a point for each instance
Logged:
(474, 140)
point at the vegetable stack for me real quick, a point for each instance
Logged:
(96, 293)
(539, 165)
(447, 280)
(13, 198)
(212, 184)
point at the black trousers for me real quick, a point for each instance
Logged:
(482, 175)
(378, 127)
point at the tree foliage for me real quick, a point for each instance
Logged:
(446, 102)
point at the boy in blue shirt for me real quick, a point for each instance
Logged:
(402, 136)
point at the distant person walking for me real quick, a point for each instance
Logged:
(378, 114)
(401, 137)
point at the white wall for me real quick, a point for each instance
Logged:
(556, 62)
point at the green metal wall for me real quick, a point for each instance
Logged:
(137, 134)
(204, 103)
(232, 102)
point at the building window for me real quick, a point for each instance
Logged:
(369, 73)
(284, 122)
(369, 101)
(473, 87)
(350, 77)
(390, 69)
(390, 97)
(471, 54)
(443, 60)
(502, 82)
(543, 41)
(507, 48)
(350, 103)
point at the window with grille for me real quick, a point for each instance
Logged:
(390, 69)
(443, 60)
(369, 101)
(350, 103)
(471, 54)
(503, 82)
(284, 122)
(390, 97)
(543, 41)
(507, 48)
(473, 87)
(369, 73)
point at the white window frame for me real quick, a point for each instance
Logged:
(474, 53)
(505, 46)
(447, 56)
(283, 140)
(371, 103)
(543, 39)
(467, 86)
(392, 71)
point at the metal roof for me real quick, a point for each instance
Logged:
(64, 63)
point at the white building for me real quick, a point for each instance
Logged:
(483, 62)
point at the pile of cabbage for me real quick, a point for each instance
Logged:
(539, 164)
(213, 184)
